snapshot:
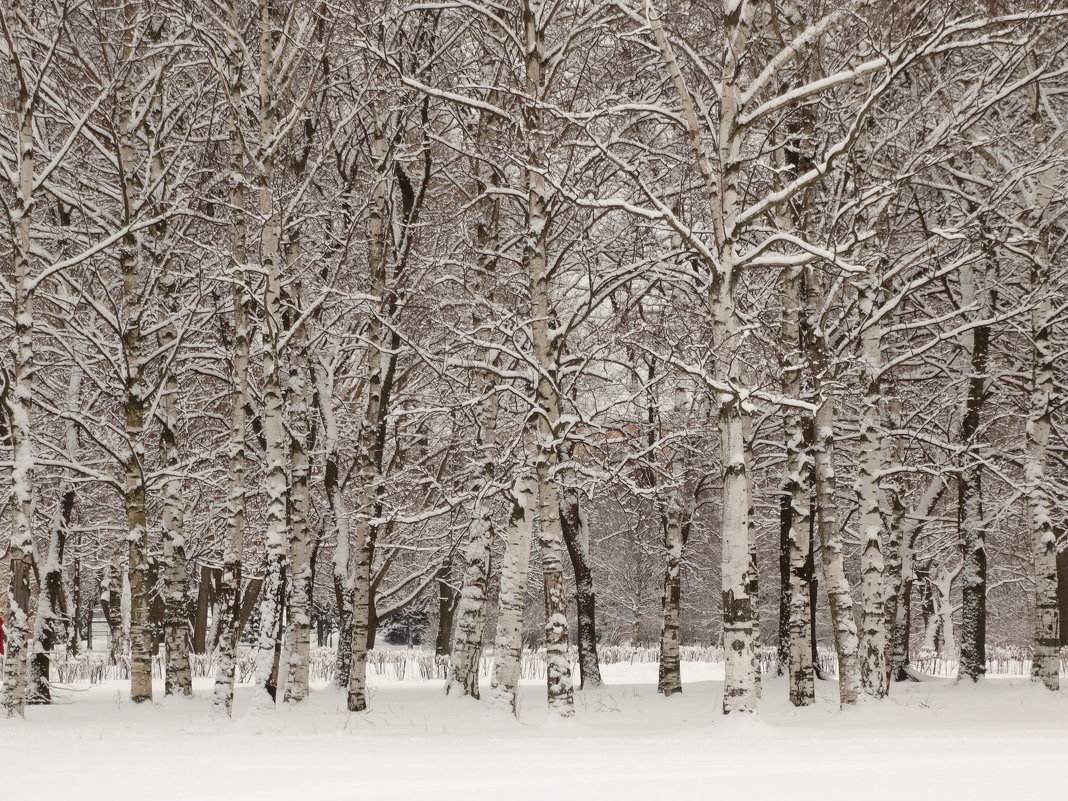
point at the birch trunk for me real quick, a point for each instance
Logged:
(547, 400)
(740, 628)
(471, 608)
(798, 647)
(298, 615)
(669, 678)
(741, 668)
(508, 645)
(782, 644)
(898, 563)
(550, 540)
(798, 428)
(53, 618)
(230, 600)
(740, 625)
(338, 521)
(873, 664)
(470, 617)
(838, 591)
(20, 398)
(136, 389)
(273, 407)
(674, 519)
(839, 597)
(824, 483)
(178, 676)
(970, 493)
(370, 429)
(1045, 666)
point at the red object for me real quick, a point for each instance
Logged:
(1, 636)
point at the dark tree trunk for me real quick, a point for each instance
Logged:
(111, 606)
(249, 598)
(372, 621)
(157, 609)
(1062, 593)
(585, 599)
(903, 636)
(272, 682)
(447, 598)
(74, 644)
(813, 590)
(200, 623)
(56, 607)
(786, 513)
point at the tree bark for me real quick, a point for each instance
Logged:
(19, 398)
(178, 676)
(508, 646)
(368, 456)
(446, 608)
(230, 623)
(675, 523)
(298, 617)
(577, 539)
(970, 494)
(874, 675)
(135, 389)
(1046, 662)
(1062, 592)
(277, 451)
(471, 607)
(838, 590)
(796, 556)
(545, 415)
(338, 521)
(839, 597)
(53, 616)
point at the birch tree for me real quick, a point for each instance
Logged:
(19, 398)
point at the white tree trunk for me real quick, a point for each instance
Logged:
(674, 517)
(508, 645)
(839, 597)
(132, 266)
(298, 633)
(369, 445)
(20, 400)
(1046, 663)
(546, 412)
(471, 608)
(740, 628)
(337, 520)
(230, 585)
(178, 676)
(669, 679)
(873, 665)
(276, 483)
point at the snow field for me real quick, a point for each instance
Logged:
(931, 740)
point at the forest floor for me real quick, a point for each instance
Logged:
(1002, 739)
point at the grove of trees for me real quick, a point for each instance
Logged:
(735, 322)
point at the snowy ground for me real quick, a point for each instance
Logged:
(1003, 740)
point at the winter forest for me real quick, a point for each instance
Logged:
(502, 362)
